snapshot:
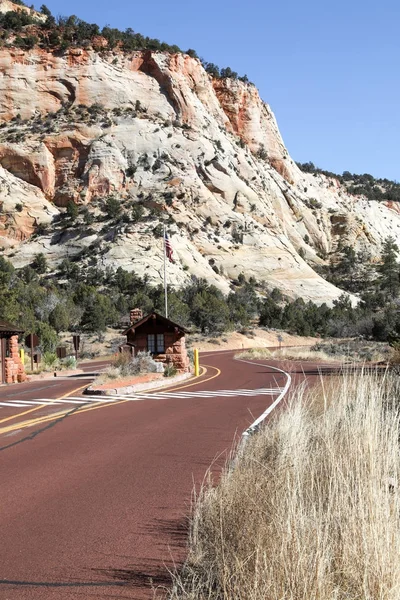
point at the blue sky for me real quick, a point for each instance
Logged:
(329, 70)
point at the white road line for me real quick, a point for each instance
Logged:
(19, 404)
(87, 399)
(100, 399)
(218, 395)
(29, 402)
(187, 395)
(49, 402)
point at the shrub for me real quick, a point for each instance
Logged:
(48, 338)
(49, 359)
(41, 229)
(134, 365)
(130, 171)
(112, 207)
(39, 263)
(262, 153)
(69, 362)
(170, 370)
(72, 210)
(143, 363)
(158, 231)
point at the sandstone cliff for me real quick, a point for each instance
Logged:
(155, 129)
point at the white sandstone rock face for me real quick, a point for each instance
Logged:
(207, 153)
(22, 208)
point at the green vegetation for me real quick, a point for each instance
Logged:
(64, 32)
(87, 298)
(354, 272)
(366, 184)
(225, 73)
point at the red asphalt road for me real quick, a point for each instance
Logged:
(51, 388)
(95, 504)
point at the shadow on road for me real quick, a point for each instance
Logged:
(147, 577)
(48, 426)
(59, 584)
(175, 530)
(146, 574)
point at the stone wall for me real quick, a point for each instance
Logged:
(14, 369)
(175, 351)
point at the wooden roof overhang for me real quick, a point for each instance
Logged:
(8, 329)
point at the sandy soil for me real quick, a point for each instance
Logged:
(254, 338)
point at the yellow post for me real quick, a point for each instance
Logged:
(22, 355)
(196, 363)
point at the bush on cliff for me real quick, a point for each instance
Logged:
(70, 31)
(366, 184)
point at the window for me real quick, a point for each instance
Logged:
(155, 343)
(151, 343)
(160, 343)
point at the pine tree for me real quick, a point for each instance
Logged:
(389, 269)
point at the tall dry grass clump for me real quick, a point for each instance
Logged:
(311, 509)
(295, 353)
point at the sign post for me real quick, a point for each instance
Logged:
(32, 341)
(31, 336)
(76, 339)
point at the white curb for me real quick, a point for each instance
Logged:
(255, 426)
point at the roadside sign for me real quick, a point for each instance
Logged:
(32, 340)
(61, 352)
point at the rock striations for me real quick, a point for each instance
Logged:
(155, 129)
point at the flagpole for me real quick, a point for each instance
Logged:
(165, 277)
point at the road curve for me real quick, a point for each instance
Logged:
(94, 504)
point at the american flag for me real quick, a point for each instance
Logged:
(168, 248)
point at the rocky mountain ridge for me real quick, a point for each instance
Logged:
(157, 133)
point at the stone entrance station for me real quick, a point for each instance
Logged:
(11, 368)
(164, 339)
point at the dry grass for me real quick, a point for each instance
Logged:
(299, 353)
(109, 374)
(311, 510)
